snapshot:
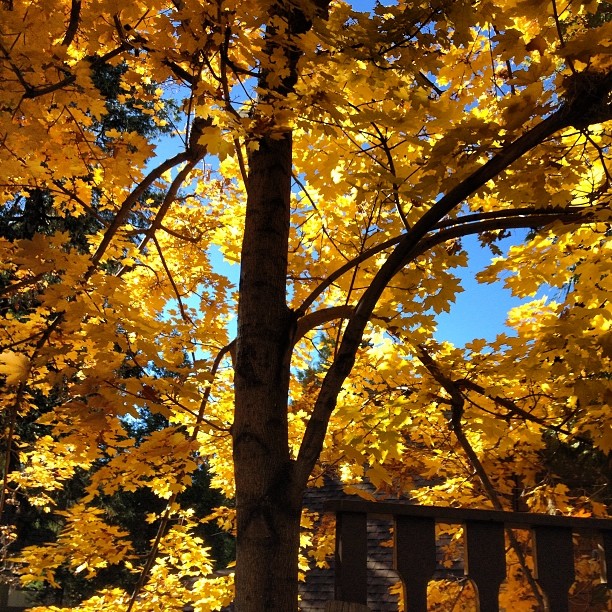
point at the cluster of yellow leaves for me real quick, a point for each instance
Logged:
(86, 544)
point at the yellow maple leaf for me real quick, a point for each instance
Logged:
(14, 366)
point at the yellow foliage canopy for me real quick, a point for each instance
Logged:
(412, 126)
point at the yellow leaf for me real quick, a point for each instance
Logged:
(14, 366)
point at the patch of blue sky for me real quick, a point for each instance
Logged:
(480, 311)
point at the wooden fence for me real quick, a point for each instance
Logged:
(484, 564)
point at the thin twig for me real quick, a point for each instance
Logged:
(179, 300)
(457, 409)
(398, 205)
(165, 519)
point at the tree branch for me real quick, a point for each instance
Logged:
(26, 86)
(320, 317)
(73, 24)
(314, 436)
(177, 294)
(26, 282)
(514, 410)
(396, 197)
(168, 200)
(13, 409)
(457, 228)
(127, 204)
(35, 92)
(457, 409)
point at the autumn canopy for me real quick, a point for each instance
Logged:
(340, 158)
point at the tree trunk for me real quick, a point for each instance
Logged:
(268, 509)
(268, 497)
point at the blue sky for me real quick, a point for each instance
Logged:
(479, 311)
(366, 5)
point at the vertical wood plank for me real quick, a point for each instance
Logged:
(554, 564)
(351, 557)
(485, 562)
(606, 540)
(415, 558)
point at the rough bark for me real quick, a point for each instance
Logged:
(268, 504)
(268, 512)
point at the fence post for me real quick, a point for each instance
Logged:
(351, 557)
(415, 558)
(485, 561)
(554, 564)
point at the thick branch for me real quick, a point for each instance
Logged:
(320, 317)
(73, 24)
(316, 429)
(516, 218)
(316, 318)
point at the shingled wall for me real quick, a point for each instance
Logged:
(319, 585)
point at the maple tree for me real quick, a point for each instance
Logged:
(340, 156)
(22, 219)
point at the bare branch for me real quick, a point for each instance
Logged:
(26, 86)
(396, 197)
(177, 294)
(14, 409)
(26, 282)
(35, 92)
(72, 195)
(514, 410)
